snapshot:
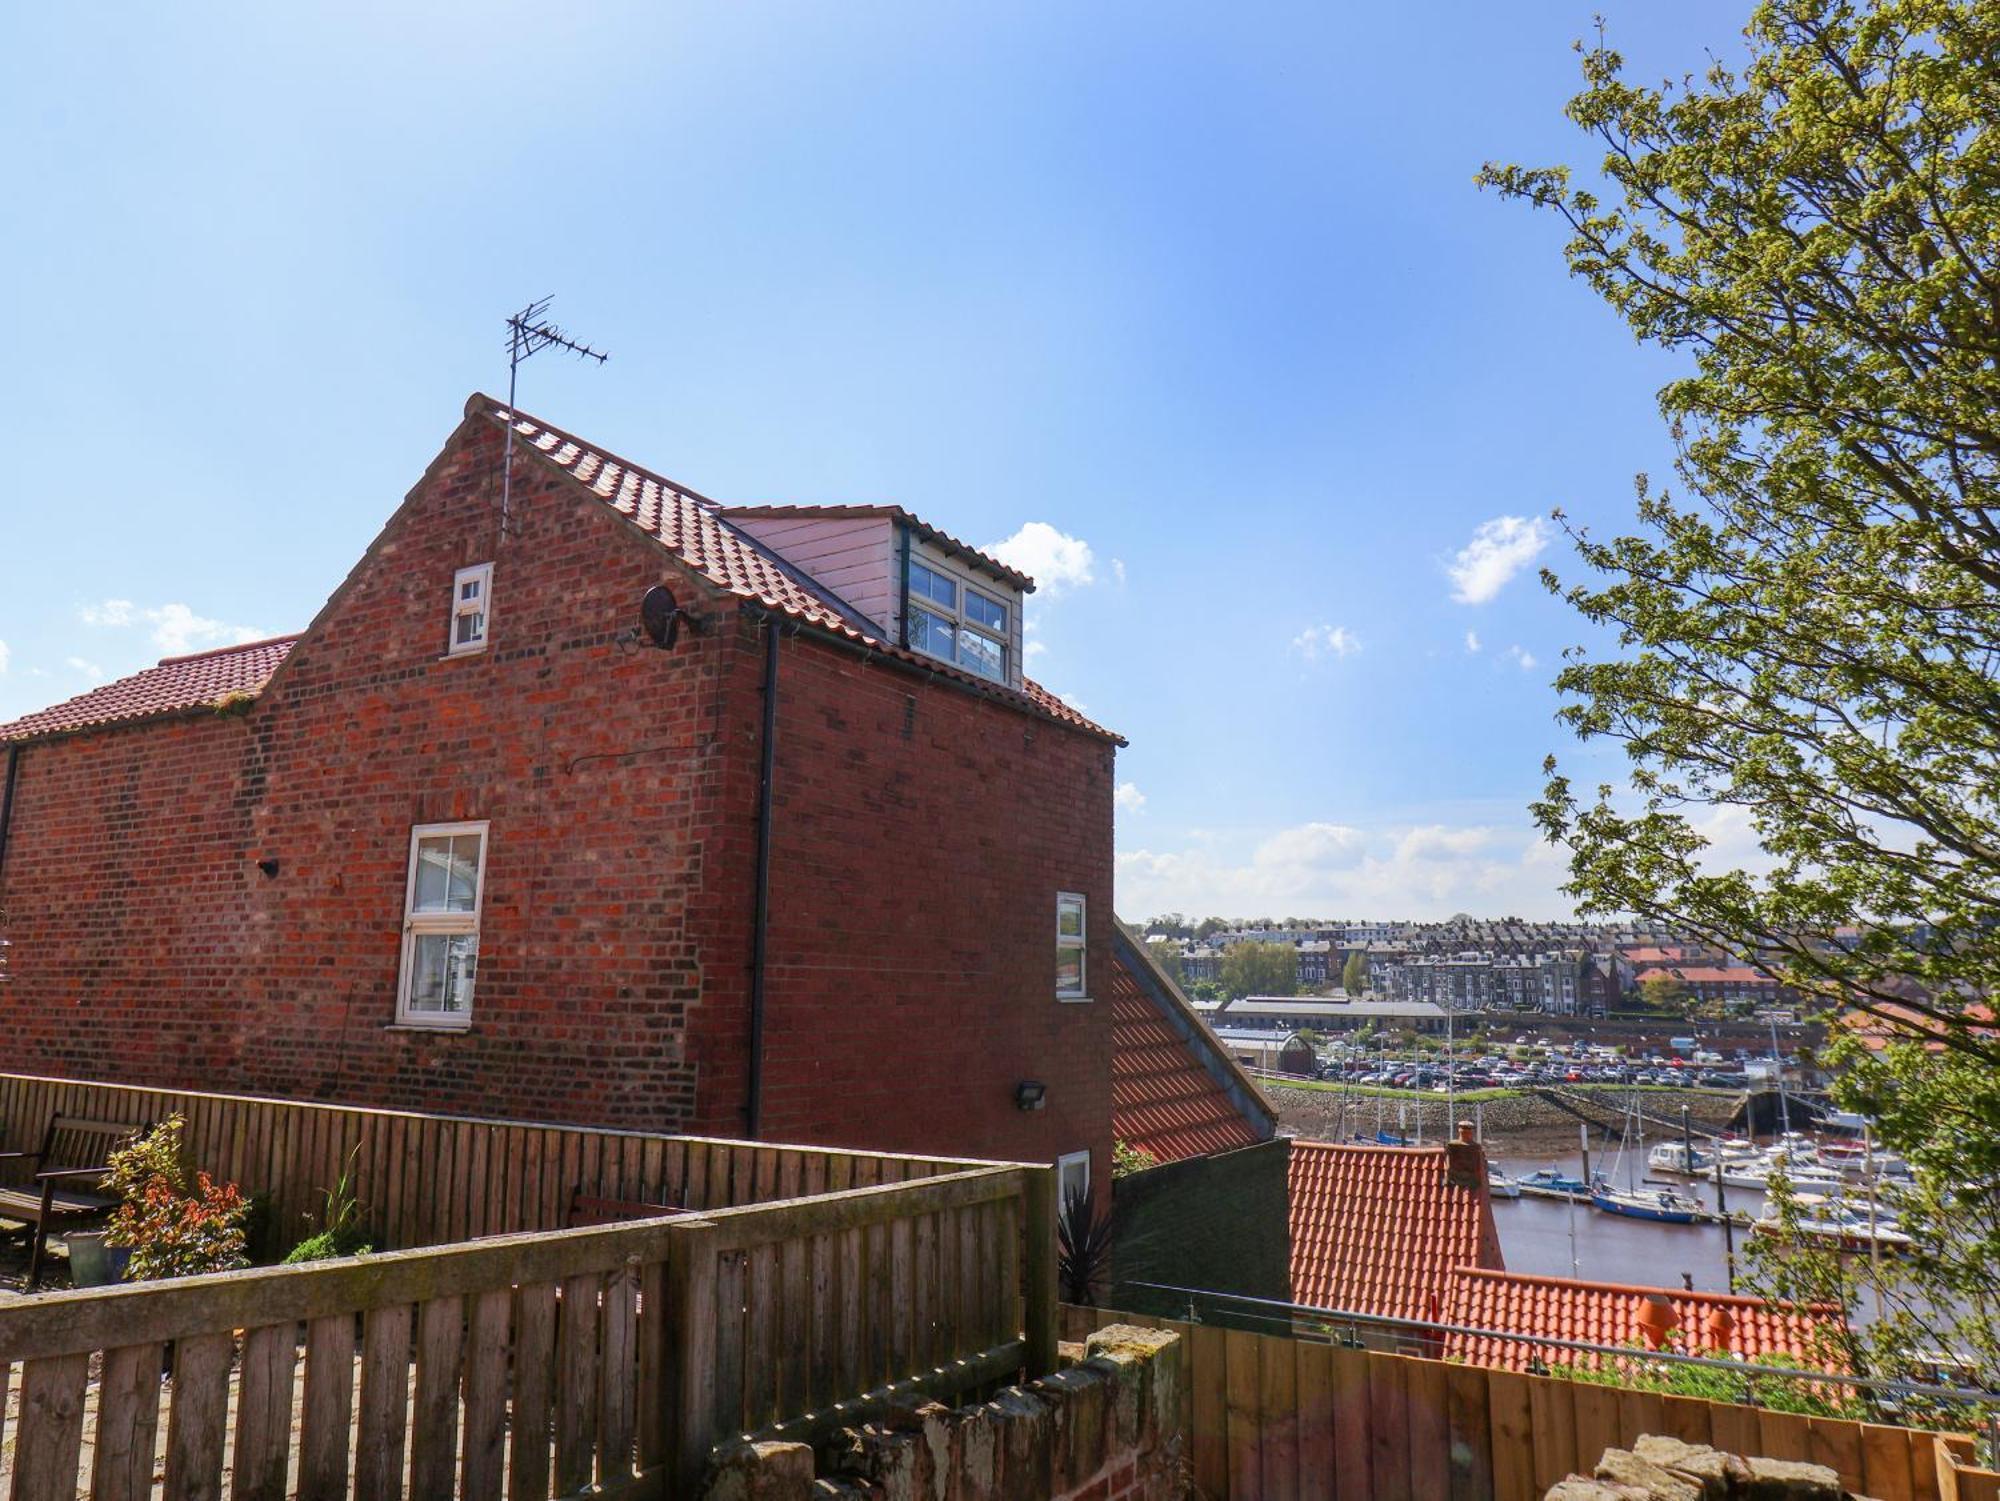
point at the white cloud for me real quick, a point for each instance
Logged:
(85, 669)
(1056, 561)
(1422, 871)
(111, 612)
(1472, 641)
(1317, 641)
(1118, 570)
(1035, 649)
(1129, 797)
(1522, 658)
(176, 629)
(1499, 549)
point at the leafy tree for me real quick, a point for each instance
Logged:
(1259, 969)
(1167, 954)
(1807, 633)
(1663, 991)
(1354, 973)
(1208, 927)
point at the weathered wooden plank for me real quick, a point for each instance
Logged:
(731, 1337)
(576, 1383)
(1552, 1421)
(1354, 1477)
(691, 1278)
(1429, 1429)
(902, 1301)
(1597, 1424)
(534, 1356)
(48, 1431)
(794, 1315)
(1242, 1414)
(1388, 1429)
(482, 1457)
(1687, 1419)
(384, 1403)
(760, 1366)
(1885, 1463)
(850, 1353)
(618, 1375)
(197, 1418)
(1318, 1436)
(261, 1459)
(1783, 1435)
(440, 1342)
(328, 1399)
(1512, 1422)
(128, 1417)
(1836, 1443)
(654, 1333)
(1471, 1431)
(1639, 1412)
(1278, 1416)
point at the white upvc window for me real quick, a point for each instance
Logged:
(1071, 977)
(948, 618)
(1073, 1176)
(441, 924)
(471, 607)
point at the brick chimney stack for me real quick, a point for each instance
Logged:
(1465, 1160)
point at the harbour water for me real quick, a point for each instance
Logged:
(1535, 1235)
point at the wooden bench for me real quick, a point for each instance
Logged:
(589, 1209)
(67, 1174)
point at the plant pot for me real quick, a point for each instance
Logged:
(91, 1262)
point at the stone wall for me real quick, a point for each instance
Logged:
(1105, 1428)
(1668, 1469)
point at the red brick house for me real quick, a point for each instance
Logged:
(828, 868)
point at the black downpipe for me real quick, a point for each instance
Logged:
(7, 801)
(767, 756)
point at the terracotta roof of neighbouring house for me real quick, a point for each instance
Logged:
(1162, 1097)
(1379, 1229)
(175, 686)
(951, 544)
(697, 531)
(1607, 1313)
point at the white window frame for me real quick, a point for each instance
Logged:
(482, 573)
(1080, 941)
(956, 617)
(416, 924)
(1064, 1164)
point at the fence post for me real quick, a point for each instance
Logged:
(691, 1363)
(1039, 1224)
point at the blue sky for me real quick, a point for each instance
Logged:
(1205, 292)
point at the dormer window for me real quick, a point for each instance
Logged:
(957, 623)
(471, 589)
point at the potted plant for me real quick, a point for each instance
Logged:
(170, 1222)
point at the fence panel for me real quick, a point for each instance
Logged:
(426, 1180)
(1281, 1415)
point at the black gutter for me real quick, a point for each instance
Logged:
(760, 932)
(7, 799)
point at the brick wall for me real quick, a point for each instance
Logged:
(1107, 1428)
(921, 834)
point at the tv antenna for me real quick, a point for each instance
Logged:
(529, 332)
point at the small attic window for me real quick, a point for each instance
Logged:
(471, 589)
(957, 623)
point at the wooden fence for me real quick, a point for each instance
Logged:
(1290, 1419)
(532, 1365)
(425, 1180)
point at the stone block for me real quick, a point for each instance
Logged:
(1791, 1480)
(1581, 1488)
(761, 1472)
(1623, 1467)
(1719, 1475)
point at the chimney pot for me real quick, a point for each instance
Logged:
(1465, 1130)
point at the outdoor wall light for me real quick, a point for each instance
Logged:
(1030, 1094)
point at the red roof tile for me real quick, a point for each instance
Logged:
(1607, 1313)
(922, 527)
(1379, 1230)
(697, 530)
(175, 686)
(1162, 1099)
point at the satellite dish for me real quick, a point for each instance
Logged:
(660, 617)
